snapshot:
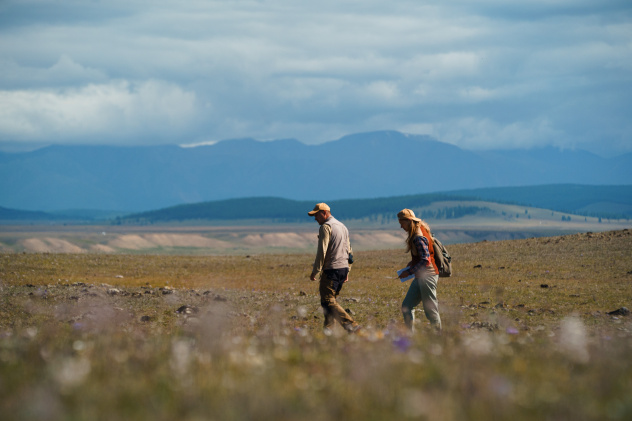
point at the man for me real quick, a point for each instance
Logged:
(332, 264)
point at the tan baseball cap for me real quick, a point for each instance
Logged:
(319, 207)
(407, 214)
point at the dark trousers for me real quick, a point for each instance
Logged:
(331, 283)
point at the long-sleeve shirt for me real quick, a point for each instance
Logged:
(422, 257)
(334, 247)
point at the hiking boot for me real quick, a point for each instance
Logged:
(353, 328)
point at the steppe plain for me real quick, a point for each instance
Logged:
(527, 334)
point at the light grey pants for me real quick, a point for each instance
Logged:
(423, 289)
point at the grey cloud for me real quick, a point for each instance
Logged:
(32, 13)
(540, 9)
(120, 111)
(489, 74)
(64, 72)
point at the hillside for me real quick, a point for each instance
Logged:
(366, 165)
(21, 215)
(610, 202)
(589, 200)
(604, 201)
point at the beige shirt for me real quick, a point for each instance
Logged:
(334, 247)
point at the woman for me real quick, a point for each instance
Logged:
(424, 287)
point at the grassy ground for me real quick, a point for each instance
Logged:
(526, 336)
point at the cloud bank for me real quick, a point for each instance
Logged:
(489, 75)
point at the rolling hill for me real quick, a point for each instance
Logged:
(613, 202)
(603, 201)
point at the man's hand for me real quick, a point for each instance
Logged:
(346, 279)
(312, 278)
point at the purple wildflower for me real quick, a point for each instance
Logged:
(402, 343)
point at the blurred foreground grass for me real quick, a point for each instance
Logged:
(117, 337)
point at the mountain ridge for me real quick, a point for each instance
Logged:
(375, 164)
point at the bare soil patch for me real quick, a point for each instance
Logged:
(50, 245)
(282, 239)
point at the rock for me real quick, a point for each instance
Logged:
(146, 319)
(302, 293)
(544, 285)
(114, 291)
(478, 267)
(484, 325)
(186, 309)
(220, 298)
(623, 311)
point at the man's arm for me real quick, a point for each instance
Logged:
(324, 235)
(350, 250)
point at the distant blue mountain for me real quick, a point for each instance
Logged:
(366, 165)
(19, 215)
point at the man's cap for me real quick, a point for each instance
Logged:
(319, 207)
(407, 214)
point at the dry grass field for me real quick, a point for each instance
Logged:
(527, 335)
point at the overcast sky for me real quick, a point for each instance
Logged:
(480, 75)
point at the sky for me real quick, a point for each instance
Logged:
(490, 74)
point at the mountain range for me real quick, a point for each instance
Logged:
(365, 165)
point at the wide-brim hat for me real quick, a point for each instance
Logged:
(408, 214)
(319, 207)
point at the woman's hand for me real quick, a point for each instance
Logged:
(404, 274)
